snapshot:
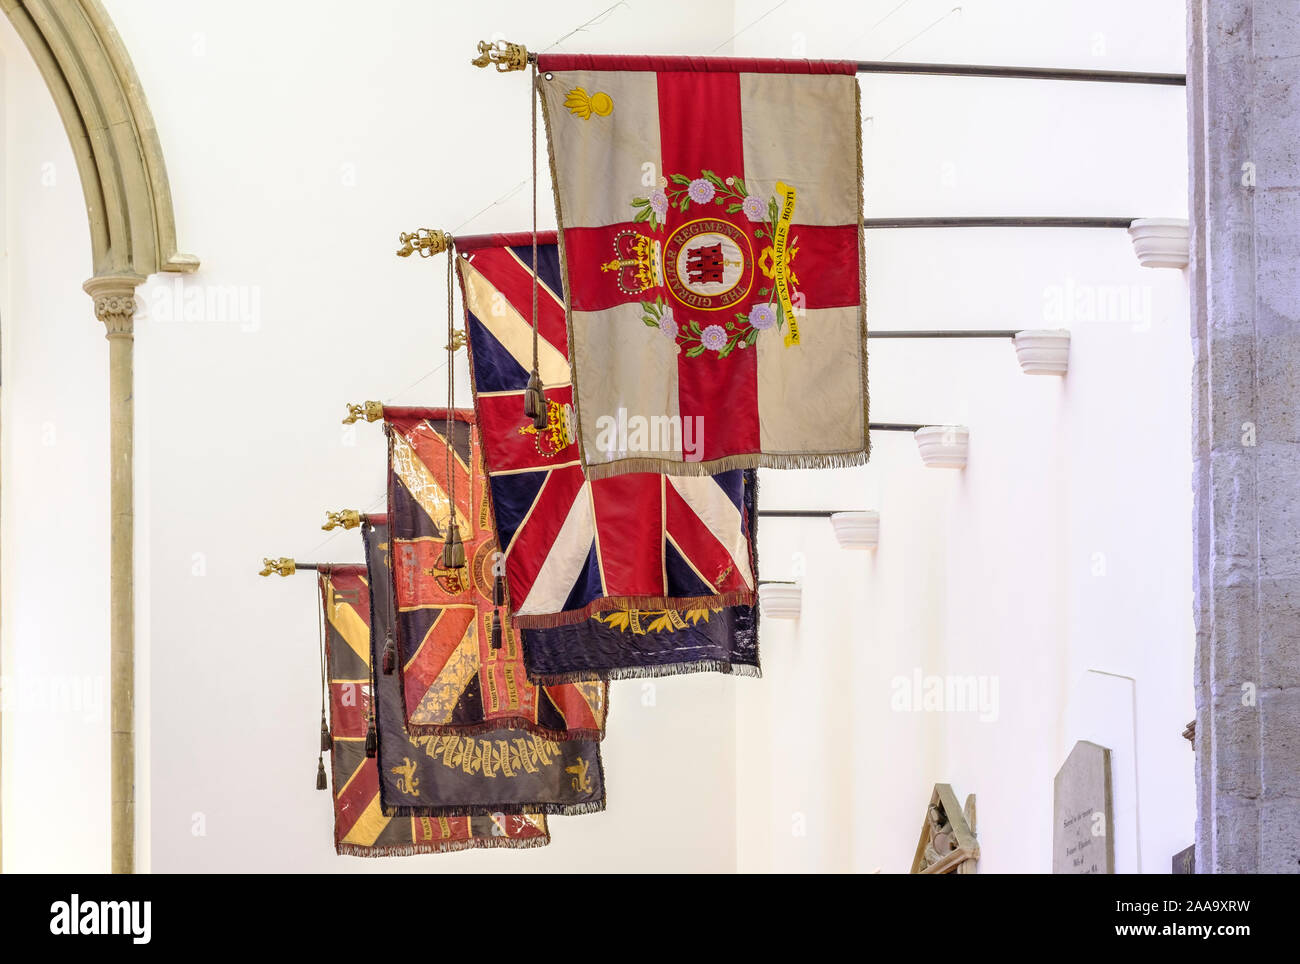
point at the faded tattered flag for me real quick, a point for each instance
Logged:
(492, 767)
(453, 679)
(710, 213)
(361, 826)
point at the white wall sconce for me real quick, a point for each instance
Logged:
(943, 446)
(1161, 242)
(780, 600)
(1043, 351)
(857, 530)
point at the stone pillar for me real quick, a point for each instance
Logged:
(1244, 132)
(115, 306)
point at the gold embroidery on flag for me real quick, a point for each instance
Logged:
(581, 104)
(781, 260)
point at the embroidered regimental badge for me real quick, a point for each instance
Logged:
(713, 264)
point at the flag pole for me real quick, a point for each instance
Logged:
(507, 57)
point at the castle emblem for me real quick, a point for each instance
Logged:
(709, 264)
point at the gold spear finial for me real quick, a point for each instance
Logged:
(505, 55)
(345, 518)
(284, 566)
(458, 340)
(426, 241)
(370, 411)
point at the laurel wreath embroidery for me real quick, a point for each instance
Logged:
(641, 622)
(681, 192)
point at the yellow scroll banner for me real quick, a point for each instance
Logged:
(780, 274)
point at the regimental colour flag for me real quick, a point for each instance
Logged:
(459, 655)
(361, 826)
(478, 769)
(711, 234)
(574, 546)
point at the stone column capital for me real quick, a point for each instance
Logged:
(115, 303)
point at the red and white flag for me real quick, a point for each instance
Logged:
(711, 234)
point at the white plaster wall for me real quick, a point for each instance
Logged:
(299, 144)
(988, 573)
(53, 499)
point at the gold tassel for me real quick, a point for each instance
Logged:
(372, 740)
(499, 590)
(326, 741)
(453, 550)
(494, 630)
(321, 783)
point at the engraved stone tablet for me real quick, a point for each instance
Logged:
(1082, 842)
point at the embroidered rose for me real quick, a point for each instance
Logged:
(658, 202)
(762, 316)
(668, 324)
(754, 208)
(713, 338)
(701, 191)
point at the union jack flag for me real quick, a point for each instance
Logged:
(575, 547)
(460, 659)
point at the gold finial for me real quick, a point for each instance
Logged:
(347, 518)
(283, 566)
(458, 340)
(370, 411)
(427, 241)
(505, 55)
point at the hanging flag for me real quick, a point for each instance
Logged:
(613, 643)
(712, 243)
(460, 658)
(361, 827)
(575, 547)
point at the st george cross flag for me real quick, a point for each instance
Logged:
(490, 770)
(361, 828)
(454, 679)
(710, 219)
(576, 547)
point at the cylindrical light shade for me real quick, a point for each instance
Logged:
(857, 530)
(1161, 242)
(780, 600)
(1043, 351)
(943, 446)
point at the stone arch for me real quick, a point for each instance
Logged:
(119, 156)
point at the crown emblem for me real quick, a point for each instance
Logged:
(637, 261)
(558, 433)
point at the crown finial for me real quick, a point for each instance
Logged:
(505, 55)
(344, 518)
(370, 411)
(425, 241)
(282, 566)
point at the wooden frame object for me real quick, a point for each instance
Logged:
(947, 844)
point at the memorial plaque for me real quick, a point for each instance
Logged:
(1082, 842)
